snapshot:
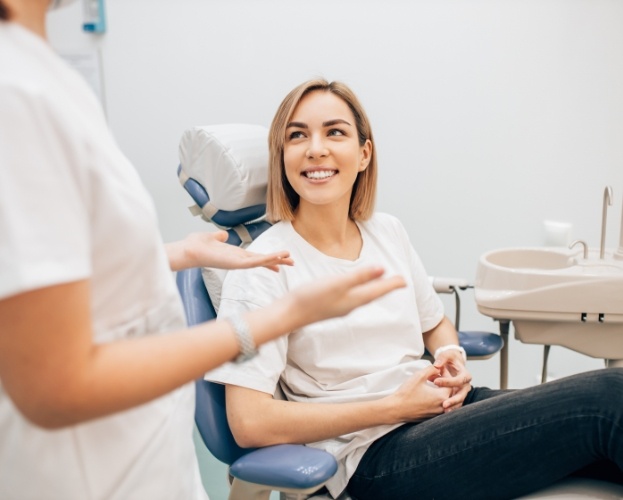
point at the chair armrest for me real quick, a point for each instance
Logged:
(480, 345)
(285, 466)
(447, 285)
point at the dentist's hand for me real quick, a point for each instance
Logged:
(453, 375)
(320, 299)
(210, 250)
(326, 298)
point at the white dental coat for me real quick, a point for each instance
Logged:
(363, 356)
(71, 208)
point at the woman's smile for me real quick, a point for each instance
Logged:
(322, 155)
(319, 174)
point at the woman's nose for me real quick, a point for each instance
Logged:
(317, 148)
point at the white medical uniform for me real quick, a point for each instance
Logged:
(72, 208)
(364, 356)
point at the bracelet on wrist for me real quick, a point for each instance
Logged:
(450, 347)
(245, 341)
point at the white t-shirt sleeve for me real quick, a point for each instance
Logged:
(243, 291)
(41, 195)
(428, 302)
(430, 307)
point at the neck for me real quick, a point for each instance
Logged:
(329, 230)
(29, 14)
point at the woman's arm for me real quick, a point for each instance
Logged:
(210, 250)
(257, 419)
(442, 334)
(57, 376)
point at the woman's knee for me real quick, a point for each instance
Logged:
(603, 386)
(609, 380)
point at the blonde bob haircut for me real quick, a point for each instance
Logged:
(281, 199)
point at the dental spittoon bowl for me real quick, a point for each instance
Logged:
(555, 296)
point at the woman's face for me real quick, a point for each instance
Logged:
(322, 155)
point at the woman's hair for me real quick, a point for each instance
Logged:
(282, 200)
(4, 12)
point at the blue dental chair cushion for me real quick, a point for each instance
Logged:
(480, 344)
(285, 466)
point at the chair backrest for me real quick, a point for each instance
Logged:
(210, 412)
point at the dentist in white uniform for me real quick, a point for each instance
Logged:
(96, 363)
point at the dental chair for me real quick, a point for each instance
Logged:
(230, 163)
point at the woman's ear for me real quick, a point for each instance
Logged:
(366, 155)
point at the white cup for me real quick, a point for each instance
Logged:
(557, 234)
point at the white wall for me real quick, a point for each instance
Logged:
(490, 115)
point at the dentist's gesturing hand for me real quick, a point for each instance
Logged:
(210, 250)
(336, 296)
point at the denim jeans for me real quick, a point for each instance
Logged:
(502, 444)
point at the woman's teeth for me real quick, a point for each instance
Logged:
(320, 174)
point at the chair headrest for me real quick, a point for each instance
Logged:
(224, 168)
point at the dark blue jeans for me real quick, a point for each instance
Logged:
(502, 444)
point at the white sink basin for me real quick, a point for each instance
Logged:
(529, 258)
(555, 297)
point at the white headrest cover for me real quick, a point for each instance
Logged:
(230, 161)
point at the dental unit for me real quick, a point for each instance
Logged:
(572, 297)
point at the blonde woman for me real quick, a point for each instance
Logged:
(400, 427)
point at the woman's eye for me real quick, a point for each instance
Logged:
(336, 131)
(297, 134)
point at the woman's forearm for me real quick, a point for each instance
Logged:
(257, 420)
(443, 334)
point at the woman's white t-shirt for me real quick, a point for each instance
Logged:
(72, 207)
(363, 356)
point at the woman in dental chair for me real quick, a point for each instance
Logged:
(357, 387)
(96, 363)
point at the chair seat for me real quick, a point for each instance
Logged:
(480, 344)
(285, 466)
